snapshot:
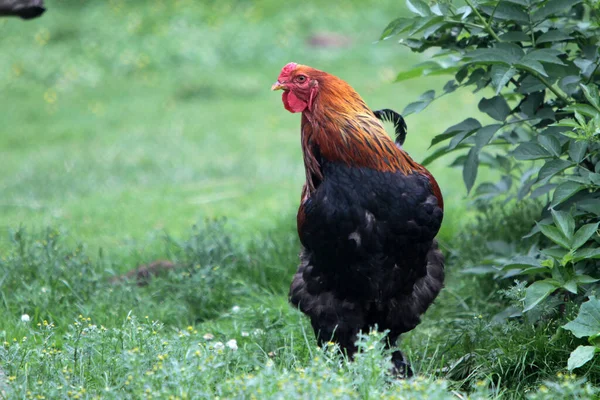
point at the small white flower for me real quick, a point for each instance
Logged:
(235, 309)
(245, 334)
(208, 336)
(219, 346)
(25, 318)
(232, 344)
(258, 332)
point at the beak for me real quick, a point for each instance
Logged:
(278, 86)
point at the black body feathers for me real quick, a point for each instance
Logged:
(369, 256)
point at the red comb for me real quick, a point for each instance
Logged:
(287, 70)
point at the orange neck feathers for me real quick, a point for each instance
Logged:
(338, 126)
(343, 129)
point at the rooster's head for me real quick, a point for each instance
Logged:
(300, 85)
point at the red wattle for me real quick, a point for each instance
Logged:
(292, 103)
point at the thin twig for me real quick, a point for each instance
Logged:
(485, 24)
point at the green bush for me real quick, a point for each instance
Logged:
(538, 66)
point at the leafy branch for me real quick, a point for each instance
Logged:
(544, 140)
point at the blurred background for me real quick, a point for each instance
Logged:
(121, 119)
(125, 122)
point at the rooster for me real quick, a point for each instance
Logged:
(367, 219)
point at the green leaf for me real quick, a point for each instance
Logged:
(551, 168)
(414, 44)
(500, 75)
(440, 153)
(532, 65)
(424, 23)
(578, 179)
(516, 52)
(522, 262)
(584, 109)
(591, 94)
(507, 11)
(555, 252)
(479, 270)
(419, 70)
(532, 103)
(577, 150)
(590, 177)
(580, 356)
(456, 140)
(467, 125)
(565, 222)
(586, 66)
(550, 143)
(538, 291)
(476, 76)
(503, 53)
(530, 84)
(587, 322)
(464, 127)
(440, 9)
(496, 107)
(530, 151)
(583, 279)
(440, 138)
(470, 168)
(526, 185)
(554, 35)
(586, 254)
(485, 134)
(564, 191)
(591, 205)
(433, 28)
(584, 234)
(464, 12)
(450, 86)
(524, 3)
(546, 112)
(570, 286)
(569, 84)
(569, 123)
(424, 100)
(553, 7)
(544, 55)
(395, 27)
(542, 190)
(418, 7)
(442, 71)
(515, 36)
(554, 234)
(462, 73)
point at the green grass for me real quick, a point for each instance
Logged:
(125, 123)
(115, 133)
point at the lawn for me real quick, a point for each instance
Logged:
(121, 120)
(125, 123)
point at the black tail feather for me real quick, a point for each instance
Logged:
(388, 115)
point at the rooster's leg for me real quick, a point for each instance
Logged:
(400, 366)
(342, 335)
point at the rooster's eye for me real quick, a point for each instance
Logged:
(300, 78)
